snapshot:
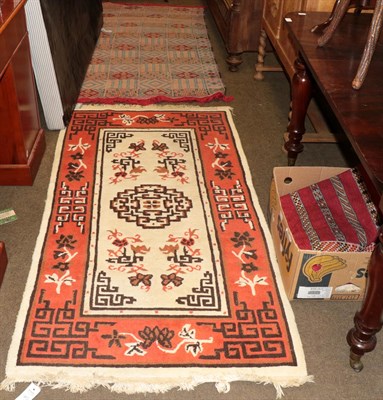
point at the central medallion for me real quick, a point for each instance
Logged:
(151, 206)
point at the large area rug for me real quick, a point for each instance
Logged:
(154, 268)
(152, 53)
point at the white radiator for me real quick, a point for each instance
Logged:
(43, 67)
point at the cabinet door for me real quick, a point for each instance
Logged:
(11, 137)
(322, 5)
(21, 138)
(18, 108)
(245, 26)
(273, 21)
(306, 6)
(274, 12)
(26, 96)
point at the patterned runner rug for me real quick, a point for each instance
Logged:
(149, 54)
(154, 267)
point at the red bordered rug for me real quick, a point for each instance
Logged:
(148, 54)
(154, 267)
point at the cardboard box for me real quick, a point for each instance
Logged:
(309, 274)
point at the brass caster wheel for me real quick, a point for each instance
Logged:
(355, 362)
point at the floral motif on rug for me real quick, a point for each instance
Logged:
(148, 54)
(153, 268)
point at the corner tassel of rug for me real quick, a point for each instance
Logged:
(279, 390)
(8, 385)
(293, 383)
(223, 387)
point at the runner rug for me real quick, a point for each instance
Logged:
(154, 267)
(149, 54)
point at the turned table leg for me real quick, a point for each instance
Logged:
(260, 67)
(301, 93)
(261, 56)
(368, 321)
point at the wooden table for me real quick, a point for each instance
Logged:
(330, 70)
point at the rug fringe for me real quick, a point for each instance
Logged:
(222, 387)
(158, 107)
(152, 5)
(9, 385)
(291, 383)
(154, 100)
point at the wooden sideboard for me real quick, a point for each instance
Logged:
(239, 22)
(273, 28)
(22, 140)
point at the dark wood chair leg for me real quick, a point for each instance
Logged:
(321, 27)
(328, 27)
(373, 35)
(301, 94)
(368, 321)
(338, 13)
(358, 5)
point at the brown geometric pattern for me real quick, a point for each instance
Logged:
(151, 206)
(150, 54)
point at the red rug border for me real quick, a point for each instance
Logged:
(153, 100)
(152, 5)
